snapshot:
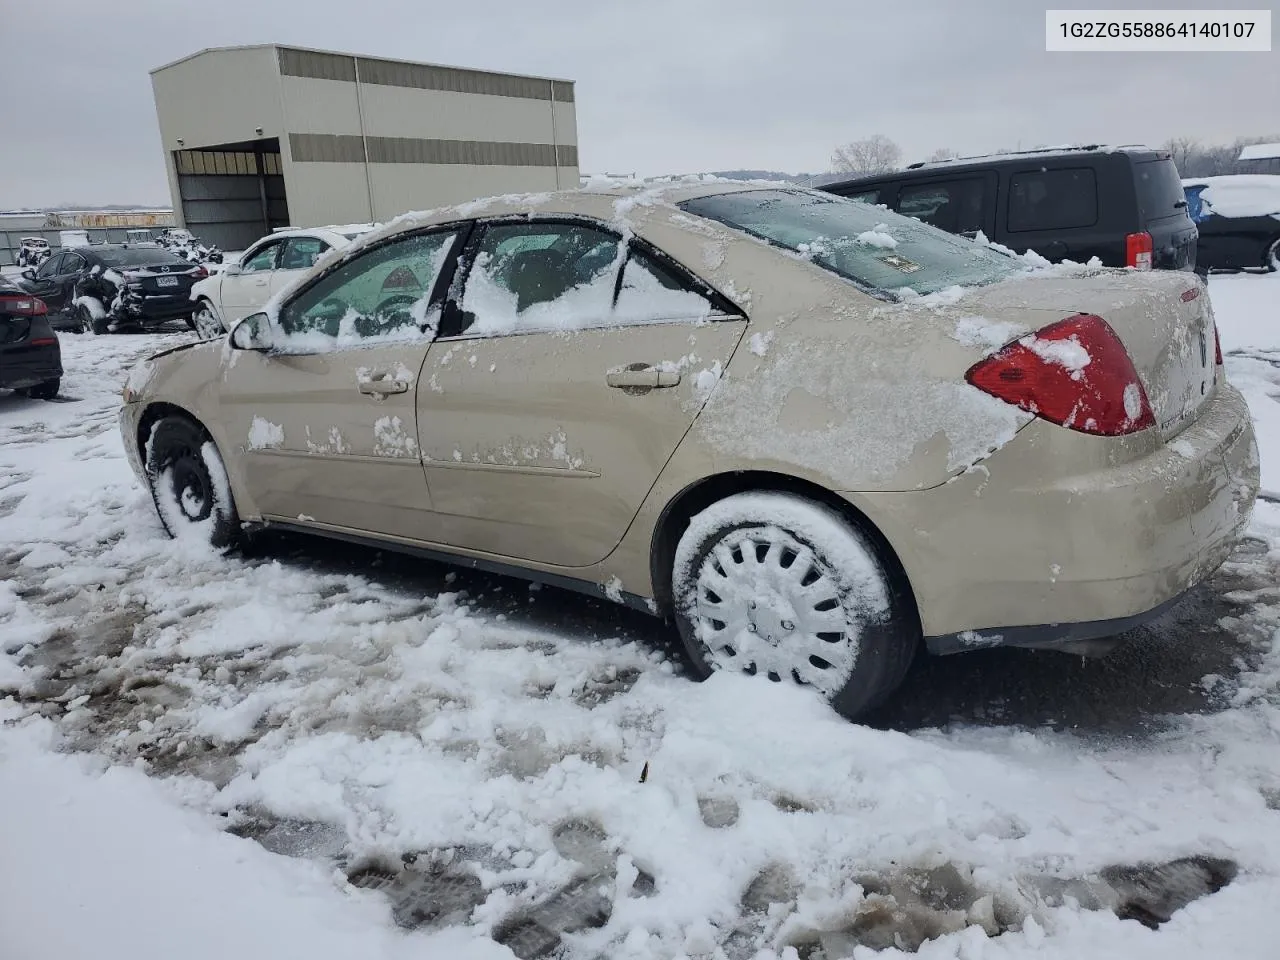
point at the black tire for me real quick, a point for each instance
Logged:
(44, 391)
(876, 614)
(1271, 260)
(188, 482)
(86, 322)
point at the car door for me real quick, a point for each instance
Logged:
(297, 256)
(558, 389)
(324, 424)
(49, 281)
(245, 290)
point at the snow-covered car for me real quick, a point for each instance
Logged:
(33, 251)
(109, 287)
(265, 268)
(1239, 221)
(813, 433)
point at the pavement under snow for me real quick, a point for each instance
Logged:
(320, 751)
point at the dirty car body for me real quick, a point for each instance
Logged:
(577, 387)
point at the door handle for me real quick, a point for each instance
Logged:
(382, 387)
(642, 376)
(260, 283)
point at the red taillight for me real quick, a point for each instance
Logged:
(1075, 373)
(1217, 347)
(1138, 250)
(44, 342)
(24, 306)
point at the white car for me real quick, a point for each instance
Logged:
(268, 266)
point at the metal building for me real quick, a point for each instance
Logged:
(267, 136)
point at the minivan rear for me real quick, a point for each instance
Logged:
(1124, 206)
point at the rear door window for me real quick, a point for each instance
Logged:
(1053, 199)
(1159, 189)
(541, 276)
(864, 196)
(301, 253)
(952, 205)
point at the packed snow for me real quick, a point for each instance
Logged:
(1240, 195)
(274, 754)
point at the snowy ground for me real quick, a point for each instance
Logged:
(316, 751)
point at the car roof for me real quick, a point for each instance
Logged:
(98, 249)
(600, 199)
(924, 167)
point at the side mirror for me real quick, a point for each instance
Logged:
(231, 269)
(28, 274)
(252, 333)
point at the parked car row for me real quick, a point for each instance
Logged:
(717, 403)
(108, 287)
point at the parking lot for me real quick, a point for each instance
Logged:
(359, 744)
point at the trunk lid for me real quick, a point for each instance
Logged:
(167, 280)
(1163, 319)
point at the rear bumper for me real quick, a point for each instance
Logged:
(1003, 556)
(33, 366)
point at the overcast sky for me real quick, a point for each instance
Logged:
(662, 87)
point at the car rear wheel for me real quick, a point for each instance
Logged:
(87, 323)
(1271, 262)
(189, 485)
(774, 585)
(44, 391)
(205, 322)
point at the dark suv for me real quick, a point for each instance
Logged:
(1123, 205)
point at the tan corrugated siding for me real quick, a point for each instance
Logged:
(474, 152)
(317, 66)
(326, 148)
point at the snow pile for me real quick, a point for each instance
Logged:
(1240, 195)
(986, 335)
(879, 237)
(1069, 353)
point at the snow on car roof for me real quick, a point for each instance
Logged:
(1239, 194)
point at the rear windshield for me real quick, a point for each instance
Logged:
(149, 257)
(883, 252)
(1159, 189)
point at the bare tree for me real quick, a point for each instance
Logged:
(943, 153)
(1182, 149)
(875, 154)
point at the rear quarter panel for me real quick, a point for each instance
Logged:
(830, 384)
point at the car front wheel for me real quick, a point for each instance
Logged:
(205, 322)
(774, 585)
(189, 484)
